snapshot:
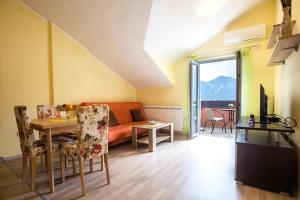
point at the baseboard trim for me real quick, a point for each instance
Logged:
(12, 157)
(179, 132)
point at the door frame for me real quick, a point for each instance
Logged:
(192, 62)
(237, 57)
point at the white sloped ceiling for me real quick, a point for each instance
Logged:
(177, 27)
(117, 32)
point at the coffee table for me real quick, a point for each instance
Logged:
(153, 138)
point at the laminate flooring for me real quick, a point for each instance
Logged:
(198, 169)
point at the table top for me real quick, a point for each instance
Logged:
(228, 109)
(152, 126)
(52, 123)
(243, 123)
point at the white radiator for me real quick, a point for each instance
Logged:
(166, 114)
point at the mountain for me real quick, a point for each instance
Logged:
(221, 88)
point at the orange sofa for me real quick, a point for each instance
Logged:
(122, 132)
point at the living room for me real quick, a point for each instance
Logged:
(139, 52)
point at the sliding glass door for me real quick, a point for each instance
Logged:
(194, 99)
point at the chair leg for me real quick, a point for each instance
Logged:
(46, 162)
(224, 126)
(30, 166)
(62, 166)
(42, 160)
(24, 166)
(74, 166)
(91, 165)
(33, 165)
(204, 126)
(82, 180)
(102, 161)
(66, 161)
(106, 168)
(213, 127)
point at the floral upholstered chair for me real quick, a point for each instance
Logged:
(29, 145)
(92, 139)
(47, 111)
(50, 112)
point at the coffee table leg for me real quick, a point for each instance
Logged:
(172, 132)
(134, 137)
(50, 161)
(152, 140)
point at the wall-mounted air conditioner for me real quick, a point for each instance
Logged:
(245, 35)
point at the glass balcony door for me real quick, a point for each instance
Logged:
(194, 99)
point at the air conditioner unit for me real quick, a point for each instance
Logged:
(245, 35)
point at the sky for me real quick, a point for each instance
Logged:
(210, 71)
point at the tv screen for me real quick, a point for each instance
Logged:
(263, 105)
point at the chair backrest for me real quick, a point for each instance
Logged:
(121, 110)
(48, 111)
(210, 113)
(23, 120)
(93, 130)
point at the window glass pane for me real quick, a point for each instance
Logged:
(218, 81)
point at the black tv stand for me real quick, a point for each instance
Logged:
(243, 124)
(264, 158)
(260, 122)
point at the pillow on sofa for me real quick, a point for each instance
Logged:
(112, 119)
(136, 115)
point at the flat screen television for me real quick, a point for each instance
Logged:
(263, 105)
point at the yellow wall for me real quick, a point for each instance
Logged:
(287, 95)
(24, 71)
(164, 66)
(177, 95)
(78, 76)
(258, 58)
(23, 68)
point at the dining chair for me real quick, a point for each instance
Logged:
(30, 147)
(92, 140)
(210, 114)
(50, 112)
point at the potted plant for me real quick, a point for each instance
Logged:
(230, 105)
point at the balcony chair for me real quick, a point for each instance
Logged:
(92, 140)
(210, 113)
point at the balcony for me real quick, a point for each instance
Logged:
(217, 105)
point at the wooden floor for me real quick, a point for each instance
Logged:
(202, 168)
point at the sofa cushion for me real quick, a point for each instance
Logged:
(112, 119)
(136, 115)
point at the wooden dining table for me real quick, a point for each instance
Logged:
(51, 127)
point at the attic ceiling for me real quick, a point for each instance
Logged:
(178, 27)
(117, 32)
